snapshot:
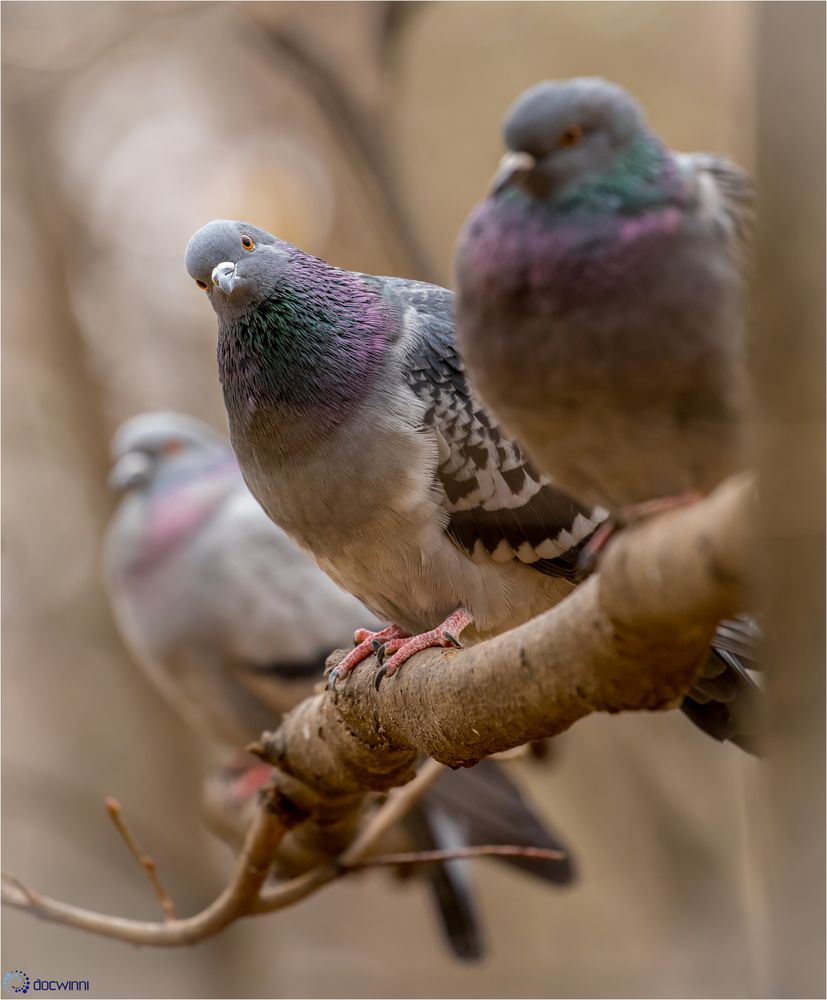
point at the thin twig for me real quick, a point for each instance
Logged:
(244, 895)
(399, 802)
(16, 888)
(237, 900)
(115, 811)
(217, 916)
(451, 854)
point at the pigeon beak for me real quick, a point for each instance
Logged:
(224, 276)
(512, 169)
(131, 471)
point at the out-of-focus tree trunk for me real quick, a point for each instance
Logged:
(790, 439)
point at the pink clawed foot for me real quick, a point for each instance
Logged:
(241, 779)
(587, 560)
(367, 643)
(625, 516)
(365, 635)
(250, 781)
(402, 649)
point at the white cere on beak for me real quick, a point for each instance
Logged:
(131, 470)
(224, 276)
(511, 167)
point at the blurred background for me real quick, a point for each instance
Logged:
(363, 132)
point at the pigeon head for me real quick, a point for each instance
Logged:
(565, 135)
(153, 446)
(294, 333)
(237, 264)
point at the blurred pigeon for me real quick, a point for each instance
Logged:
(358, 433)
(600, 303)
(233, 622)
(220, 608)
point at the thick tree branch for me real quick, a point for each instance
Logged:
(630, 638)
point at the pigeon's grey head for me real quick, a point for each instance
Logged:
(152, 445)
(236, 263)
(562, 133)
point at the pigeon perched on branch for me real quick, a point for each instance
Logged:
(600, 306)
(233, 622)
(357, 431)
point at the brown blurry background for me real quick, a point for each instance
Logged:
(364, 133)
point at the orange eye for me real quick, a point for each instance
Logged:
(246, 242)
(172, 447)
(202, 284)
(572, 135)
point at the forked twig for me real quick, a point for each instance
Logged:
(244, 895)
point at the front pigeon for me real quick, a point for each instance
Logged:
(355, 429)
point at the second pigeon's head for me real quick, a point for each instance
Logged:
(564, 133)
(237, 264)
(155, 447)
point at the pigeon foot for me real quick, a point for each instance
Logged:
(367, 643)
(396, 651)
(587, 562)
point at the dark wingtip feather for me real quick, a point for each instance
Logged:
(457, 914)
(449, 882)
(491, 810)
(726, 703)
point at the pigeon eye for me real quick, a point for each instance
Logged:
(172, 447)
(202, 284)
(571, 136)
(246, 242)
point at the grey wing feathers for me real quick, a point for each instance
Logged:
(732, 199)
(302, 668)
(725, 701)
(497, 502)
(740, 637)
